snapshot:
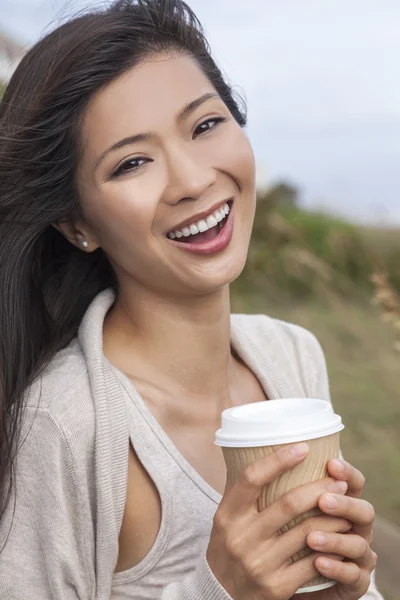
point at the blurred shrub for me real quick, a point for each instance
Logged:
(300, 253)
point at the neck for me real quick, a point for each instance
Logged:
(180, 345)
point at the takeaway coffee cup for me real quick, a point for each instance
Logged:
(250, 431)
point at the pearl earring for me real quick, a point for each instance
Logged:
(85, 244)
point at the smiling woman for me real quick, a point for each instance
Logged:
(127, 199)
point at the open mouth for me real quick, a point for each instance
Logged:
(205, 230)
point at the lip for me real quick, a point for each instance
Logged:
(199, 216)
(216, 245)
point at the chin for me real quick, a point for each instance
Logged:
(217, 276)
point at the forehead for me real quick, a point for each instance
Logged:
(143, 98)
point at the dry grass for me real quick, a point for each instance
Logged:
(388, 299)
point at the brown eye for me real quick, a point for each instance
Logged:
(127, 167)
(204, 127)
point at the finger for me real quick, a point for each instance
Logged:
(295, 540)
(245, 492)
(347, 573)
(360, 512)
(293, 577)
(302, 571)
(349, 545)
(341, 469)
(295, 503)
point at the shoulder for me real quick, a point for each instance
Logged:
(62, 395)
(263, 329)
(296, 349)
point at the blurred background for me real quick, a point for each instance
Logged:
(322, 85)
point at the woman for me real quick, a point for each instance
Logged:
(127, 201)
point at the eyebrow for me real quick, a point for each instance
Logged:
(143, 137)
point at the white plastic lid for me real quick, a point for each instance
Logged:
(280, 421)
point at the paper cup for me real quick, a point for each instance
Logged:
(250, 431)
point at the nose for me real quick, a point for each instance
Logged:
(189, 176)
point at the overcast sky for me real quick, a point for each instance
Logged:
(322, 83)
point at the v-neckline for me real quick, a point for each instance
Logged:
(264, 377)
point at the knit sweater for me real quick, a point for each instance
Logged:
(62, 525)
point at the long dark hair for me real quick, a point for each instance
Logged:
(46, 283)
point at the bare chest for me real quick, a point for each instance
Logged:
(198, 448)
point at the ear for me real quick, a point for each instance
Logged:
(77, 234)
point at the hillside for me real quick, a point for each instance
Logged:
(314, 270)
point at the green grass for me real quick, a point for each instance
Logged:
(332, 252)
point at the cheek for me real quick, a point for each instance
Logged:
(240, 165)
(120, 215)
(237, 159)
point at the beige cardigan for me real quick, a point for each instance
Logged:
(71, 474)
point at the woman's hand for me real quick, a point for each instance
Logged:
(353, 573)
(247, 553)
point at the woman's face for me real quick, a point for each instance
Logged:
(135, 194)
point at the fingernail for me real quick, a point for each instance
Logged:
(299, 450)
(324, 564)
(341, 486)
(339, 466)
(330, 501)
(318, 539)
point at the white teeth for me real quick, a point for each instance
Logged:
(211, 221)
(203, 225)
